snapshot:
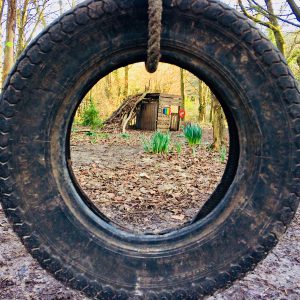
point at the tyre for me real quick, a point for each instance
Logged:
(246, 215)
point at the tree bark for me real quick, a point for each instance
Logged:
(211, 112)
(1, 38)
(117, 85)
(218, 125)
(108, 86)
(276, 27)
(10, 39)
(126, 81)
(182, 89)
(21, 21)
(202, 102)
(272, 22)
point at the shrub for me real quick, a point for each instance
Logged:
(193, 134)
(159, 143)
(90, 116)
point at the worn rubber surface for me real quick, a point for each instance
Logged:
(47, 209)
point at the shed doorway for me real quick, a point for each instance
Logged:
(147, 116)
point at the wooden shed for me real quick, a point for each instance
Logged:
(159, 112)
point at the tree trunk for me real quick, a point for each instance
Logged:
(1, 38)
(295, 8)
(117, 84)
(108, 86)
(60, 7)
(126, 80)
(218, 125)
(40, 12)
(205, 93)
(182, 89)
(211, 112)
(276, 27)
(202, 102)
(10, 38)
(21, 21)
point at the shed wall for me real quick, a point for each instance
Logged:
(163, 121)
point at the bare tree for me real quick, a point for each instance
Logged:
(10, 38)
(182, 88)
(202, 101)
(126, 75)
(219, 127)
(275, 27)
(254, 10)
(1, 37)
(22, 16)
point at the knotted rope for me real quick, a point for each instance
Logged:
(154, 34)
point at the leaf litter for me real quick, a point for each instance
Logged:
(145, 192)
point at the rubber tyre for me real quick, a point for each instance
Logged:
(45, 206)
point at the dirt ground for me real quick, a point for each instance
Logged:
(158, 193)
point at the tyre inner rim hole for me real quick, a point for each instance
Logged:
(118, 173)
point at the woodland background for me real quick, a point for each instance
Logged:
(22, 20)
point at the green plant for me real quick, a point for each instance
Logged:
(223, 153)
(90, 116)
(125, 135)
(178, 148)
(93, 136)
(103, 135)
(158, 143)
(91, 133)
(193, 134)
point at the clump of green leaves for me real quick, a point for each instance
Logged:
(158, 143)
(223, 153)
(90, 116)
(193, 134)
(91, 133)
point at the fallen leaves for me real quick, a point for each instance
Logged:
(144, 192)
(144, 175)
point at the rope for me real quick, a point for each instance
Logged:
(154, 34)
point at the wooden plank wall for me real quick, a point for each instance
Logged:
(163, 121)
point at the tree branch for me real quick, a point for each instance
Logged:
(267, 13)
(295, 8)
(254, 19)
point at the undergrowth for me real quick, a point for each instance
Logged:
(193, 134)
(158, 143)
(90, 116)
(223, 153)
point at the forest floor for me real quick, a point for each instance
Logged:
(141, 191)
(159, 192)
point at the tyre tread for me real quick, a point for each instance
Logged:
(212, 10)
